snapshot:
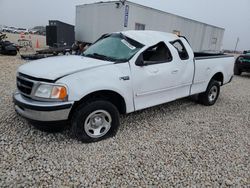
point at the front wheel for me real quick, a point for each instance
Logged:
(210, 96)
(95, 121)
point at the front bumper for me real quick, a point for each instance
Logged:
(41, 111)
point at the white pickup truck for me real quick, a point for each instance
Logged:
(120, 73)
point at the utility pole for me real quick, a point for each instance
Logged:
(237, 42)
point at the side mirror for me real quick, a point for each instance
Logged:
(139, 61)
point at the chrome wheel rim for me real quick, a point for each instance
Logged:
(213, 94)
(98, 123)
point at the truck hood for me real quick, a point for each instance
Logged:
(56, 67)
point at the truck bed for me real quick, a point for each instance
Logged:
(207, 65)
(204, 55)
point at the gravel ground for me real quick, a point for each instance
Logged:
(177, 144)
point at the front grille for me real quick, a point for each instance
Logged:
(24, 86)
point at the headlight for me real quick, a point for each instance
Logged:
(48, 91)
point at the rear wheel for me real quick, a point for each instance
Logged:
(210, 96)
(95, 121)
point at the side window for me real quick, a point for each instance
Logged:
(181, 49)
(157, 54)
(139, 26)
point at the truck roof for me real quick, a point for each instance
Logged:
(148, 37)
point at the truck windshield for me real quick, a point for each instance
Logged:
(114, 47)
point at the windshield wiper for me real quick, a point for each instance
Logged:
(110, 58)
(104, 57)
(121, 60)
(100, 56)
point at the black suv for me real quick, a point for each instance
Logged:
(242, 63)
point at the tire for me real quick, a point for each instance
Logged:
(237, 71)
(210, 96)
(95, 121)
(13, 53)
(10, 53)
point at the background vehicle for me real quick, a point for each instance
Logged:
(21, 30)
(9, 29)
(246, 52)
(39, 30)
(33, 31)
(242, 64)
(120, 73)
(6, 47)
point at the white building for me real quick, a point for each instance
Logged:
(94, 20)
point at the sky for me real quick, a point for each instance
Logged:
(233, 15)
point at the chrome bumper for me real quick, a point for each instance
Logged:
(41, 111)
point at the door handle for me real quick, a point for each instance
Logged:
(175, 71)
(154, 71)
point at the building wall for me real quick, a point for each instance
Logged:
(93, 20)
(202, 37)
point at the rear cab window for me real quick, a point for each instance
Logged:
(179, 46)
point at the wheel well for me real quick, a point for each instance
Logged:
(219, 77)
(111, 96)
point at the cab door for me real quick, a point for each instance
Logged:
(159, 76)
